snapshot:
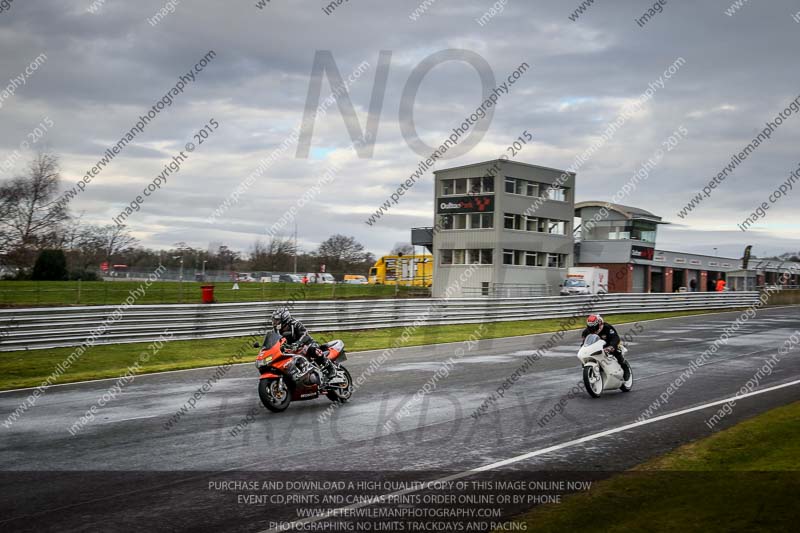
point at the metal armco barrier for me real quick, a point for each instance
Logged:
(70, 326)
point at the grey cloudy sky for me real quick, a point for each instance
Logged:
(106, 68)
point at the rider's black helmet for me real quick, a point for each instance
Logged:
(280, 317)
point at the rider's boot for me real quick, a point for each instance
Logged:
(328, 369)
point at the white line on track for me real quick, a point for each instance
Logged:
(126, 419)
(493, 466)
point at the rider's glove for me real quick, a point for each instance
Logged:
(608, 349)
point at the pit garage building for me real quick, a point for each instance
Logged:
(622, 239)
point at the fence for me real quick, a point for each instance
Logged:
(35, 293)
(508, 290)
(70, 326)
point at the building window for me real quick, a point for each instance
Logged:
(475, 221)
(611, 230)
(530, 223)
(557, 193)
(533, 259)
(644, 231)
(534, 189)
(448, 187)
(467, 221)
(556, 260)
(481, 220)
(541, 225)
(558, 227)
(458, 186)
(471, 256)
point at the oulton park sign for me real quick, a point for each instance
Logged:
(465, 204)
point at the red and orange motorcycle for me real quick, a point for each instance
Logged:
(287, 375)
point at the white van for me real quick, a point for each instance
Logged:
(585, 280)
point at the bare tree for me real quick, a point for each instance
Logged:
(340, 252)
(89, 245)
(258, 256)
(30, 213)
(115, 239)
(276, 255)
(8, 201)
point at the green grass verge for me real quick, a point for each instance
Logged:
(29, 368)
(52, 293)
(745, 478)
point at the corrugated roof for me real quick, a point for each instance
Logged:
(625, 210)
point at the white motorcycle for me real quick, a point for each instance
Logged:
(601, 371)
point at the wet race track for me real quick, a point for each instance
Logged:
(137, 465)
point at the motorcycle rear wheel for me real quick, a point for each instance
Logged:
(343, 392)
(273, 396)
(593, 381)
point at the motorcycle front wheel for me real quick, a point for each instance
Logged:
(274, 394)
(593, 381)
(343, 391)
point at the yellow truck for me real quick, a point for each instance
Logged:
(411, 270)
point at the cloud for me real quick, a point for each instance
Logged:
(106, 69)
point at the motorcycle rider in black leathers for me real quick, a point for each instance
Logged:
(296, 334)
(597, 326)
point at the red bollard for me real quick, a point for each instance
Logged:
(208, 294)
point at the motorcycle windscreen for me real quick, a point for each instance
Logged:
(271, 346)
(591, 339)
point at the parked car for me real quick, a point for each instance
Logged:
(288, 278)
(244, 276)
(355, 279)
(320, 278)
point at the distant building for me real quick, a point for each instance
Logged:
(622, 239)
(512, 221)
(504, 228)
